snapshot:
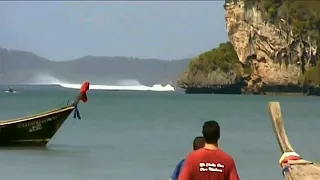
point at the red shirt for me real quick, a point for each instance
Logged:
(206, 164)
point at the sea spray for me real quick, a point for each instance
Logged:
(124, 84)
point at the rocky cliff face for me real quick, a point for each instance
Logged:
(275, 56)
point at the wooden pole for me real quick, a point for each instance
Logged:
(297, 169)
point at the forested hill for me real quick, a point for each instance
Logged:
(19, 67)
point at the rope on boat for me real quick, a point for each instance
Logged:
(76, 113)
(285, 169)
(286, 156)
(82, 96)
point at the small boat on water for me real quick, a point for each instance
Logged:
(38, 129)
(293, 166)
(10, 90)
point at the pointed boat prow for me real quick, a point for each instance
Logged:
(38, 129)
(293, 166)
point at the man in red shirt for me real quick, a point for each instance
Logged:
(210, 162)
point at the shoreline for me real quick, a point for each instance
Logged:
(267, 90)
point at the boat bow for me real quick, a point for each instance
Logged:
(38, 129)
(293, 166)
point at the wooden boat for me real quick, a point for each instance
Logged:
(293, 166)
(38, 129)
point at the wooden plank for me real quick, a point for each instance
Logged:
(303, 172)
(299, 162)
(293, 169)
(278, 127)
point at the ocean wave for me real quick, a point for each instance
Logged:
(156, 87)
(121, 85)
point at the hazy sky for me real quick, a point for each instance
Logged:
(69, 30)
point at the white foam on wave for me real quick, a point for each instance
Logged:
(156, 87)
(124, 85)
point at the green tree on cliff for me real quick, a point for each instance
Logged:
(223, 57)
(218, 66)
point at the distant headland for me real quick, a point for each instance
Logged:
(272, 49)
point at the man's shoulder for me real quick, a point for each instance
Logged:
(181, 162)
(219, 152)
(195, 152)
(177, 170)
(192, 155)
(226, 156)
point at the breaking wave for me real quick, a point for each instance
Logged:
(156, 87)
(124, 85)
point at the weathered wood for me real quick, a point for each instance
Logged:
(303, 172)
(299, 162)
(293, 169)
(278, 127)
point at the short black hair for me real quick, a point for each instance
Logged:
(211, 132)
(198, 142)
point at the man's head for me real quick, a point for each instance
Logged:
(211, 132)
(198, 142)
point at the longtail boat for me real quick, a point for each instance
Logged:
(38, 129)
(293, 166)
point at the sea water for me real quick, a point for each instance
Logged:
(142, 135)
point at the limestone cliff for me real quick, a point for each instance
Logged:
(276, 55)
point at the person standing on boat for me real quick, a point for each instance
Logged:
(198, 143)
(210, 162)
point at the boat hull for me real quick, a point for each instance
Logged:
(33, 131)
